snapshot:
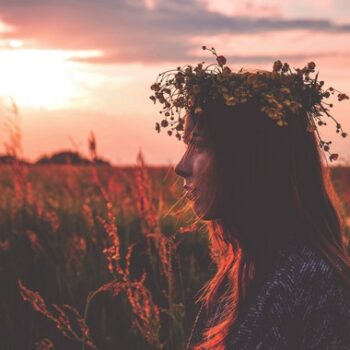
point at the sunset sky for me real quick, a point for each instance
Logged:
(80, 65)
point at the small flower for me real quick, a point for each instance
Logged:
(198, 68)
(179, 101)
(221, 60)
(231, 101)
(158, 127)
(164, 123)
(333, 156)
(311, 65)
(198, 110)
(204, 47)
(188, 70)
(285, 90)
(277, 65)
(179, 77)
(281, 123)
(155, 87)
(160, 97)
(342, 97)
(285, 67)
(179, 127)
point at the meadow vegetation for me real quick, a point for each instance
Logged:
(101, 257)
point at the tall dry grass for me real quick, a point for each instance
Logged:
(82, 233)
(100, 255)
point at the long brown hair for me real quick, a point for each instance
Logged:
(272, 187)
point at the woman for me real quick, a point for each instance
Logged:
(275, 228)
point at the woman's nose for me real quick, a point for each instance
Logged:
(182, 169)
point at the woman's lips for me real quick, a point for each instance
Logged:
(190, 194)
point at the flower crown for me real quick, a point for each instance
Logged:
(279, 92)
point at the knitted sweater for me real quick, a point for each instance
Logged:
(302, 305)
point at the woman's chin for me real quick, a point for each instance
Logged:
(202, 213)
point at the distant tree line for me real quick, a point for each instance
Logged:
(62, 157)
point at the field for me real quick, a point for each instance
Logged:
(98, 257)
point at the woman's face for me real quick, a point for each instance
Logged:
(194, 167)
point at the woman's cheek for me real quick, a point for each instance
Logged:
(201, 162)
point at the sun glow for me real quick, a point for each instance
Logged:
(41, 78)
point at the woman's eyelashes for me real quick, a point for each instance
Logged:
(197, 144)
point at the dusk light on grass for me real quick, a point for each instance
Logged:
(174, 174)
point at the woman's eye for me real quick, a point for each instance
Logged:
(198, 145)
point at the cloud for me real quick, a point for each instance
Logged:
(254, 9)
(294, 45)
(136, 31)
(6, 28)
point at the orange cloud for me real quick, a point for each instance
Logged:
(126, 33)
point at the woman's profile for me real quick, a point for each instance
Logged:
(254, 171)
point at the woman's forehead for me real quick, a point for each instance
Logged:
(191, 128)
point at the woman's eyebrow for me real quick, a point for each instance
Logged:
(188, 136)
(194, 134)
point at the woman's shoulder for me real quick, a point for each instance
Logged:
(302, 283)
(307, 262)
(320, 299)
(302, 265)
(314, 284)
(303, 300)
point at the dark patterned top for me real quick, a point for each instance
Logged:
(303, 305)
